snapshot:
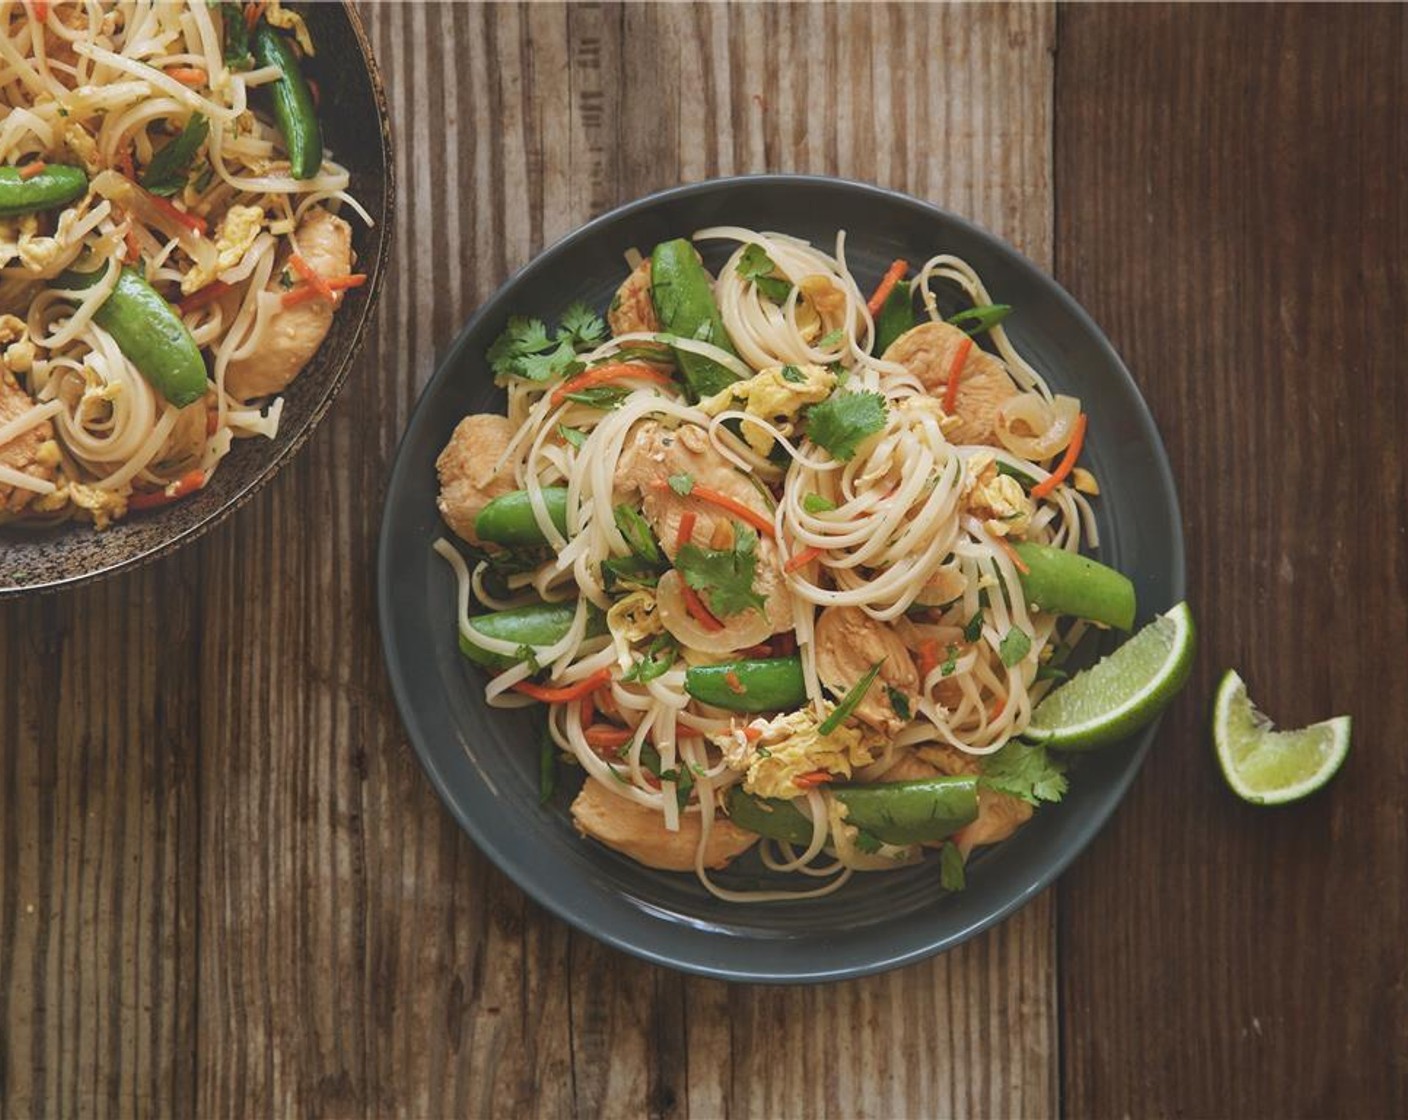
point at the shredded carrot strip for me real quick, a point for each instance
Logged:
(955, 372)
(134, 251)
(1068, 461)
(604, 736)
(686, 533)
(193, 222)
(188, 75)
(928, 657)
(752, 734)
(996, 709)
(758, 520)
(342, 283)
(574, 691)
(1012, 555)
(311, 275)
(203, 297)
(887, 285)
(615, 371)
(252, 12)
(801, 559)
(301, 294)
(815, 778)
(701, 613)
(41, 10)
(188, 483)
(30, 170)
(736, 686)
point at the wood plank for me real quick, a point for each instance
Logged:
(98, 815)
(1231, 207)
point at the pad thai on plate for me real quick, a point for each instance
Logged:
(173, 246)
(789, 566)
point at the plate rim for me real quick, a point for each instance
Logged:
(503, 858)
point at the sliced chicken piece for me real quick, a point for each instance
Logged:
(22, 453)
(468, 478)
(999, 816)
(848, 643)
(295, 333)
(639, 832)
(652, 454)
(633, 308)
(928, 352)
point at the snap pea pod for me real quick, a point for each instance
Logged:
(1064, 582)
(294, 113)
(149, 333)
(894, 812)
(508, 520)
(56, 185)
(896, 316)
(538, 624)
(765, 684)
(684, 303)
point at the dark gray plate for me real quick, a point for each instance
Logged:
(355, 127)
(484, 762)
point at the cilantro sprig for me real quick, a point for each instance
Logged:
(757, 266)
(1026, 772)
(843, 421)
(526, 348)
(724, 577)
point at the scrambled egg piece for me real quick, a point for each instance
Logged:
(80, 142)
(290, 21)
(633, 619)
(790, 746)
(20, 240)
(776, 395)
(105, 505)
(19, 352)
(999, 499)
(233, 237)
(920, 404)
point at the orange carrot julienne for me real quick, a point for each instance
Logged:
(686, 533)
(814, 778)
(614, 371)
(955, 372)
(1067, 464)
(887, 285)
(193, 222)
(801, 559)
(304, 293)
(734, 685)
(997, 708)
(203, 297)
(342, 283)
(1013, 555)
(605, 736)
(30, 170)
(574, 691)
(252, 12)
(41, 10)
(311, 275)
(702, 614)
(188, 75)
(752, 734)
(188, 483)
(928, 657)
(744, 513)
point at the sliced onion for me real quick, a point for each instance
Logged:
(750, 628)
(1034, 428)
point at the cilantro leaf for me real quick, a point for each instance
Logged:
(604, 397)
(1027, 772)
(951, 876)
(757, 266)
(724, 576)
(166, 174)
(572, 436)
(844, 420)
(950, 662)
(582, 327)
(521, 336)
(655, 662)
(1015, 645)
(561, 362)
(237, 56)
(974, 629)
(794, 375)
(816, 503)
(831, 339)
(900, 702)
(682, 483)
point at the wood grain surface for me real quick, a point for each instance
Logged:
(226, 888)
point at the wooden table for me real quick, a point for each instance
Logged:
(227, 889)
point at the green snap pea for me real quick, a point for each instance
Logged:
(56, 185)
(149, 333)
(767, 684)
(538, 624)
(896, 316)
(898, 813)
(294, 113)
(684, 303)
(508, 520)
(1062, 582)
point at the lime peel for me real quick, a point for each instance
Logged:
(1122, 692)
(1269, 767)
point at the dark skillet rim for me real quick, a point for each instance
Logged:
(650, 948)
(335, 380)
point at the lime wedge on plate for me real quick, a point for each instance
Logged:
(1122, 692)
(1266, 766)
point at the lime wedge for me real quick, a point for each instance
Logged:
(1266, 766)
(1122, 692)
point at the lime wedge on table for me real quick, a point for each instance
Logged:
(1122, 692)
(1266, 766)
